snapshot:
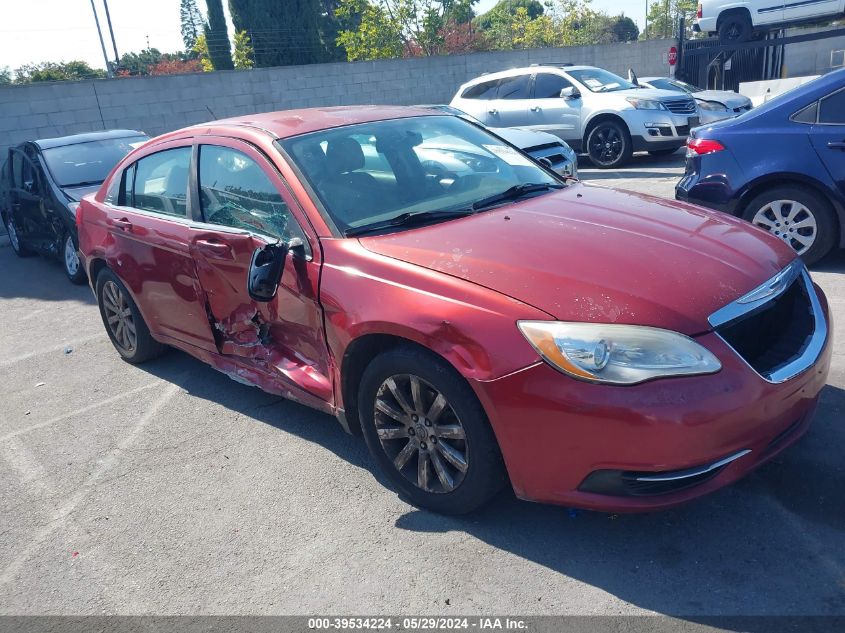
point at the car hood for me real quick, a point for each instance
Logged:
(77, 193)
(730, 99)
(593, 254)
(647, 93)
(524, 138)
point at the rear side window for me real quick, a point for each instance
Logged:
(832, 109)
(514, 87)
(548, 86)
(236, 192)
(484, 90)
(161, 182)
(808, 114)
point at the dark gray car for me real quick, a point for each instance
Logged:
(42, 182)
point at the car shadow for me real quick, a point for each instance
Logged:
(639, 160)
(833, 262)
(38, 277)
(771, 544)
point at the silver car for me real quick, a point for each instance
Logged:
(713, 105)
(593, 110)
(541, 146)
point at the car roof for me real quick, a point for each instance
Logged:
(287, 123)
(528, 69)
(74, 139)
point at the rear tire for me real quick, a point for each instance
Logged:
(800, 217)
(735, 28)
(123, 321)
(18, 245)
(433, 439)
(609, 144)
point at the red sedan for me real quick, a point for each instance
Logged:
(477, 319)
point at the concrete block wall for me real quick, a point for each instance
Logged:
(159, 104)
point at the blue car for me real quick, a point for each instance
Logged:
(780, 166)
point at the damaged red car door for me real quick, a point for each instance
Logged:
(247, 214)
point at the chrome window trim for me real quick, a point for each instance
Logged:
(762, 295)
(693, 472)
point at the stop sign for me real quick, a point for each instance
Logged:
(673, 56)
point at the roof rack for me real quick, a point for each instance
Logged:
(561, 64)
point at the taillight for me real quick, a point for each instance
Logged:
(701, 146)
(699, 13)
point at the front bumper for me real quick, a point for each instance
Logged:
(655, 129)
(555, 431)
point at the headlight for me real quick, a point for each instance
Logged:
(617, 354)
(714, 106)
(645, 104)
(72, 207)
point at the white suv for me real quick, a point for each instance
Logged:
(593, 110)
(736, 20)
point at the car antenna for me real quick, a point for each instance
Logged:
(632, 77)
(210, 112)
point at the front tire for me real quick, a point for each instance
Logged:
(70, 260)
(609, 145)
(428, 432)
(123, 321)
(15, 239)
(800, 217)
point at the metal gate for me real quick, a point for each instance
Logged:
(714, 66)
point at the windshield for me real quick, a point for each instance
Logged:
(369, 173)
(88, 163)
(598, 80)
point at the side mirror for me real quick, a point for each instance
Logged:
(571, 92)
(265, 271)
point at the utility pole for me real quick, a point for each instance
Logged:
(111, 32)
(102, 43)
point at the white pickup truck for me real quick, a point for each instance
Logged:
(737, 20)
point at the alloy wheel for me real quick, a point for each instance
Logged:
(790, 221)
(421, 433)
(607, 145)
(13, 235)
(119, 317)
(71, 257)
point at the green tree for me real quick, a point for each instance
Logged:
(217, 37)
(192, 23)
(624, 29)
(243, 56)
(5, 76)
(414, 27)
(663, 16)
(200, 51)
(376, 36)
(283, 33)
(139, 63)
(506, 9)
(57, 71)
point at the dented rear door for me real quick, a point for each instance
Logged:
(244, 206)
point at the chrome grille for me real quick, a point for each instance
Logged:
(778, 328)
(680, 106)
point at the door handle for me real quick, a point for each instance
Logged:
(215, 249)
(492, 111)
(123, 224)
(836, 145)
(535, 108)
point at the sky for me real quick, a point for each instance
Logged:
(33, 31)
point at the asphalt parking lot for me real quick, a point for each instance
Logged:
(169, 489)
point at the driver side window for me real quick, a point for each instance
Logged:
(235, 192)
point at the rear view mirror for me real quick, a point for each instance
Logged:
(265, 271)
(570, 92)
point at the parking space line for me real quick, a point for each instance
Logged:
(85, 409)
(105, 465)
(57, 348)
